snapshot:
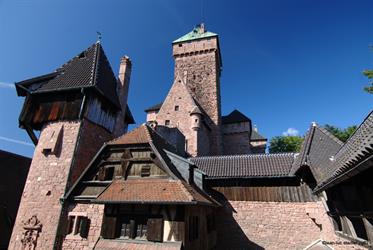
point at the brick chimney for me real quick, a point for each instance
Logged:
(124, 76)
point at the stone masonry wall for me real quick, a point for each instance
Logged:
(198, 61)
(181, 118)
(95, 214)
(275, 225)
(45, 185)
(238, 143)
(92, 137)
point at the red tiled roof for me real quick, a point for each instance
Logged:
(151, 191)
(137, 136)
(104, 244)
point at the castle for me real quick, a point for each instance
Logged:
(189, 178)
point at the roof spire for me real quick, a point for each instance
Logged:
(99, 37)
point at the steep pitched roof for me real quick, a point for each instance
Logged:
(89, 69)
(197, 33)
(161, 191)
(146, 135)
(317, 150)
(139, 135)
(235, 117)
(348, 159)
(245, 166)
(255, 136)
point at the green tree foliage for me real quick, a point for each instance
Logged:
(341, 134)
(369, 74)
(283, 144)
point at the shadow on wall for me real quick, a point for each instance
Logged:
(229, 233)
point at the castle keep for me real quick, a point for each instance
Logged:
(188, 178)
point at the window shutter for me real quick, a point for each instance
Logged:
(155, 229)
(84, 227)
(109, 226)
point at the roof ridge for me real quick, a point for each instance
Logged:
(72, 59)
(244, 155)
(353, 134)
(125, 134)
(94, 65)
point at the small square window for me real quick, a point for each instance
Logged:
(176, 108)
(180, 45)
(145, 171)
(167, 122)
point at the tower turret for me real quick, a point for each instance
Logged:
(197, 58)
(76, 109)
(196, 116)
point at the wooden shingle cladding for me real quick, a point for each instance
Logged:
(84, 87)
(266, 189)
(40, 109)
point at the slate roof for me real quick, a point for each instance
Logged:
(197, 33)
(235, 117)
(245, 166)
(161, 191)
(108, 244)
(154, 107)
(89, 69)
(357, 149)
(318, 148)
(255, 136)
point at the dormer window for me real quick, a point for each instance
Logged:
(82, 55)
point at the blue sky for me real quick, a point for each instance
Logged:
(285, 63)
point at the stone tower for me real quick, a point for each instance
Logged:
(197, 58)
(76, 109)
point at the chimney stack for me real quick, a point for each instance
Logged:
(124, 76)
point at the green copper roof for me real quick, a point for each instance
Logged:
(198, 32)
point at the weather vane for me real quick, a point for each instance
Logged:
(99, 36)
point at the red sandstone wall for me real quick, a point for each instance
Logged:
(95, 214)
(92, 137)
(45, 185)
(275, 225)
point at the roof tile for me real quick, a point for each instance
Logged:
(243, 166)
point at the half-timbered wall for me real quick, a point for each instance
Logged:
(200, 228)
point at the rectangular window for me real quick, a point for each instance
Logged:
(136, 227)
(145, 171)
(78, 226)
(109, 173)
(176, 108)
(167, 122)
